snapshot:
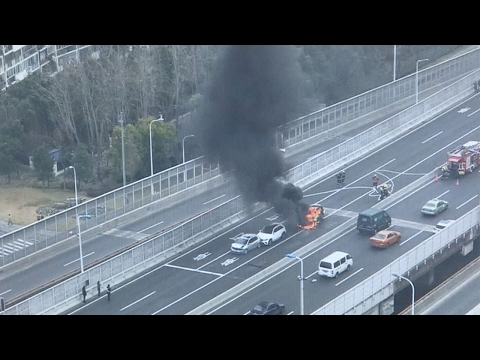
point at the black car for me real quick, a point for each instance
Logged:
(267, 308)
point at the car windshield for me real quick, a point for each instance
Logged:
(440, 226)
(260, 307)
(380, 236)
(326, 265)
(364, 219)
(267, 229)
(431, 204)
(241, 241)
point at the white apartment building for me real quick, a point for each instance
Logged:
(18, 61)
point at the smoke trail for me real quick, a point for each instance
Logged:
(254, 90)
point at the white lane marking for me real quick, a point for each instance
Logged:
(148, 228)
(84, 256)
(466, 202)
(5, 292)
(473, 112)
(137, 301)
(431, 137)
(194, 270)
(209, 201)
(440, 196)
(410, 238)
(218, 257)
(348, 277)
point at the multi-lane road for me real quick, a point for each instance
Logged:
(205, 271)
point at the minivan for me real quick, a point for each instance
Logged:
(335, 264)
(372, 220)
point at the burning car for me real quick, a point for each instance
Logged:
(312, 216)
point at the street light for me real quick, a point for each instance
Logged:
(123, 149)
(292, 256)
(78, 217)
(183, 146)
(416, 80)
(413, 290)
(151, 153)
(75, 179)
(394, 61)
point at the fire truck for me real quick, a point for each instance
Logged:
(464, 158)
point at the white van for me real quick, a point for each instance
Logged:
(335, 264)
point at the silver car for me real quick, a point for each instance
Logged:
(243, 243)
(434, 207)
(271, 233)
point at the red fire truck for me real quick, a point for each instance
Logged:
(464, 158)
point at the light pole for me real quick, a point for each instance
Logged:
(292, 256)
(394, 61)
(78, 217)
(413, 290)
(123, 149)
(416, 80)
(183, 146)
(74, 179)
(151, 152)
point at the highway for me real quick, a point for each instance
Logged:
(36, 274)
(208, 270)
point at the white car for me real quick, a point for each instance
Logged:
(271, 233)
(442, 224)
(243, 243)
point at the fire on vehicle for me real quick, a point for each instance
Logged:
(312, 217)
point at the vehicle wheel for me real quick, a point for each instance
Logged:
(284, 235)
(336, 275)
(389, 224)
(269, 242)
(259, 244)
(348, 267)
(246, 251)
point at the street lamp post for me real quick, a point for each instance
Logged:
(416, 80)
(394, 61)
(151, 152)
(75, 179)
(78, 217)
(123, 149)
(413, 290)
(292, 256)
(183, 147)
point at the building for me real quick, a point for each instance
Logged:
(18, 61)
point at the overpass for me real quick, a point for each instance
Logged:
(308, 172)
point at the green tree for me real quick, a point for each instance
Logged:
(43, 165)
(83, 163)
(10, 147)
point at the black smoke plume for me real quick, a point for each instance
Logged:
(254, 90)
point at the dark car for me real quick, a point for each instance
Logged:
(267, 308)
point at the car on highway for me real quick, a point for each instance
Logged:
(442, 224)
(267, 308)
(271, 233)
(385, 238)
(434, 207)
(334, 264)
(243, 243)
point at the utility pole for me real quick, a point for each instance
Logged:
(123, 149)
